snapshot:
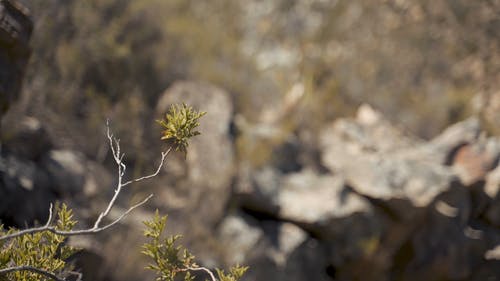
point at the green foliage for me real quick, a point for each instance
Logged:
(180, 123)
(170, 260)
(234, 274)
(43, 250)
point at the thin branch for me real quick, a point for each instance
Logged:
(49, 220)
(118, 157)
(163, 156)
(32, 269)
(115, 149)
(121, 172)
(92, 230)
(99, 229)
(201, 268)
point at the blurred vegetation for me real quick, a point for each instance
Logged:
(422, 63)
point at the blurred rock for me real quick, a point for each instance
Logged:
(492, 190)
(67, 171)
(472, 162)
(463, 132)
(440, 150)
(309, 199)
(272, 249)
(27, 139)
(375, 170)
(256, 190)
(410, 181)
(25, 193)
(240, 236)
(373, 132)
(15, 31)
(286, 157)
(97, 179)
(209, 162)
(493, 254)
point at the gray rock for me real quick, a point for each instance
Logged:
(380, 174)
(440, 150)
(309, 198)
(256, 190)
(308, 261)
(240, 237)
(277, 250)
(27, 139)
(375, 133)
(209, 165)
(25, 194)
(462, 132)
(427, 209)
(67, 171)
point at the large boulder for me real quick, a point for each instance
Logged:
(433, 197)
(208, 167)
(344, 224)
(373, 159)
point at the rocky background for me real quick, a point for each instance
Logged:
(344, 140)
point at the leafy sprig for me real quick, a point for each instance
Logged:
(43, 250)
(180, 124)
(170, 260)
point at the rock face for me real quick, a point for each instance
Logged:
(389, 204)
(34, 174)
(15, 31)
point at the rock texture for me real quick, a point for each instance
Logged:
(388, 203)
(33, 174)
(15, 31)
(378, 201)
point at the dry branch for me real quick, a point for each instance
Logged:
(118, 157)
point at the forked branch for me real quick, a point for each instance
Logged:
(98, 226)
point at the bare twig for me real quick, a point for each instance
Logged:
(118, 157)
(201, 268)
(114, 143)
(92, 230)
(49, 220)
(163, 156)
